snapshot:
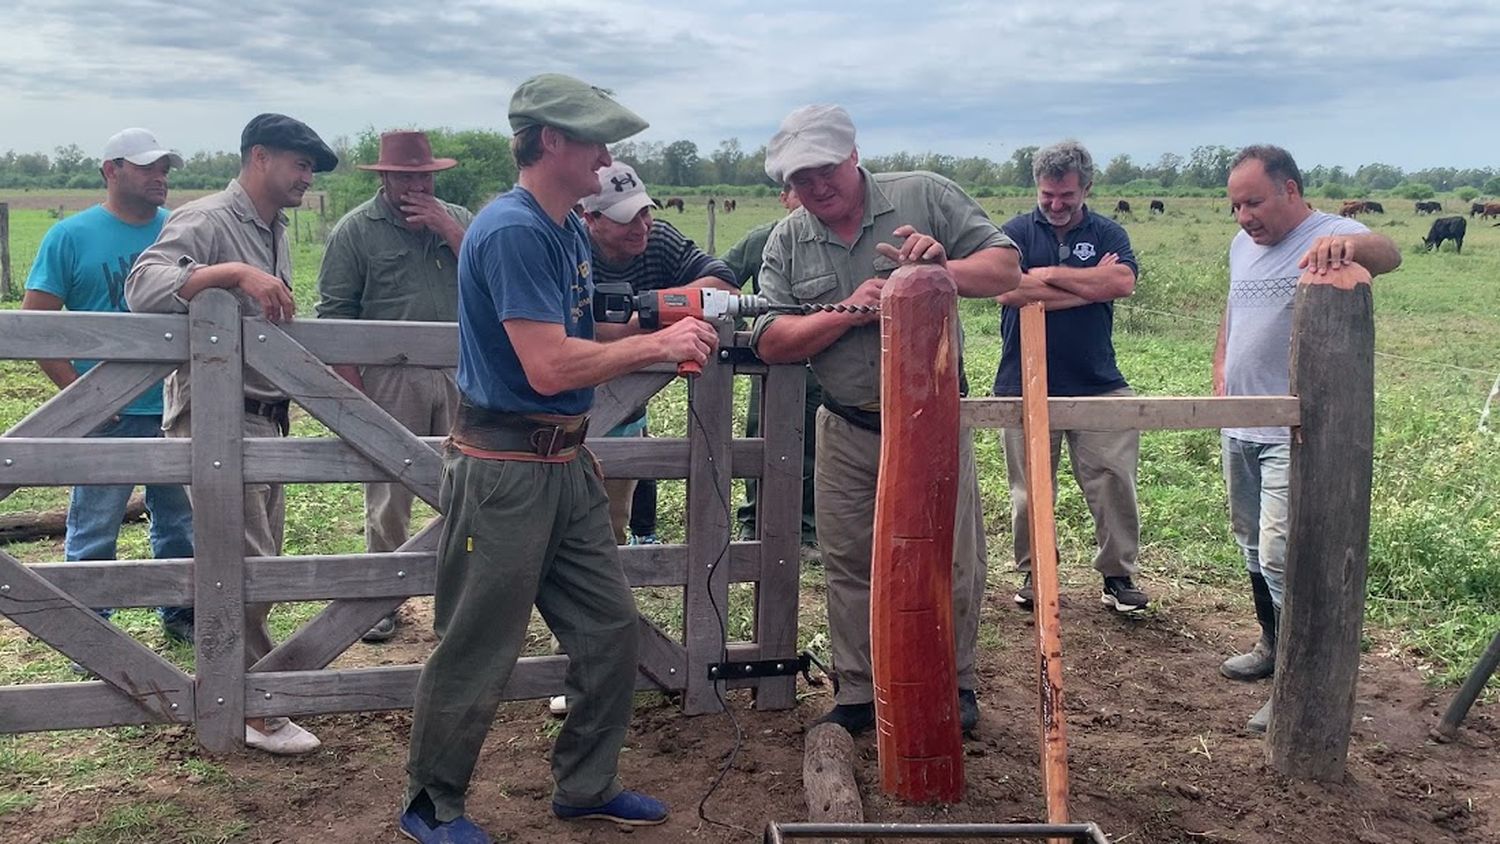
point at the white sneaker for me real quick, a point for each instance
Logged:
(558, 706)
(282, 738)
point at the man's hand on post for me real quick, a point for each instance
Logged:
(1329, 252)
(269, 292)
(918, 248)
(867, 295)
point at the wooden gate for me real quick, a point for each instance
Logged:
(136, 686)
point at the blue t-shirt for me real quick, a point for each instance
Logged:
(84, 261)
(516, 263)
(1080, 344)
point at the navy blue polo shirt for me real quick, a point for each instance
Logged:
(1080, 348)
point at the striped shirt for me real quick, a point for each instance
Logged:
(670, 260)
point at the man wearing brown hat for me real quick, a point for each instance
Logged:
(854, 228)
(236, 240)
(395, 257)
(527, 520)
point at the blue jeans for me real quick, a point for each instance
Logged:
(95, 514)
(1257, 477)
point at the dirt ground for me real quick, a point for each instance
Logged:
(1157, 751)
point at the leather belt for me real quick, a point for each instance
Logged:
(482, 429)
(276, 411)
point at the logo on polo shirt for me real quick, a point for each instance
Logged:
(1083, 250)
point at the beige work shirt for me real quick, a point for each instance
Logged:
(377, 268)
(805, 262)
(217, 229)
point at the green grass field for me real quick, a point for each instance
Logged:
(1434, 575)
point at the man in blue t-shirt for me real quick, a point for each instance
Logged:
(1077, 263)
(1281, 235)
(81, 266)
(527, 520)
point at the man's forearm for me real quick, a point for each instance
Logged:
(580, 363)
(225, 276)
(790, 338)
(1376, 253)
(61, 372)
(987, 273)
(1093, 284)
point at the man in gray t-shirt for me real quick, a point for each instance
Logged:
(1281, 237)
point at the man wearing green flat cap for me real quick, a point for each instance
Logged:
(527, 516)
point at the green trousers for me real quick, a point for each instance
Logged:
(747, 515)
(520, 534)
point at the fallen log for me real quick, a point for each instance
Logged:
(828, 778)
(26, 526)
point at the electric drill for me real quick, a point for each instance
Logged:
(616, 302)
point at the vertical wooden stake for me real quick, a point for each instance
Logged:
(911, 593)
(5, 288)
(1038, 432)
(710, 238)
(1328, 530)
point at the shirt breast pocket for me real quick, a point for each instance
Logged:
(388, 271)
(822, 287)
(883, 266)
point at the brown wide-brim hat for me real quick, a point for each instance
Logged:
(407, 152)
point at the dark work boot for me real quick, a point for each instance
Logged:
(854, 717)
(1260, 662)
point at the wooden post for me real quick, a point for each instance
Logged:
(1328, 534)
(911, 592)
(706, 595)
(779, 516)
(1038, 432)
(218, 492)
(710, 238)
(828, 778)
(5, 289)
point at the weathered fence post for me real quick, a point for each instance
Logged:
(1037, 428)
(779, 518)
(911, 593)
(711, 225)
(5, 289)
(218, 491)
(706, 595)
(1328, 541)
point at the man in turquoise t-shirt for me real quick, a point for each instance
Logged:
(81, 266)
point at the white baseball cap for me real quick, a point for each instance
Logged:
(811, 136)
(621, 194)
(138, 146)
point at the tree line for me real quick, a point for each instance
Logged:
(487, 168)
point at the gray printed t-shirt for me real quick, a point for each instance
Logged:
(1262, 289)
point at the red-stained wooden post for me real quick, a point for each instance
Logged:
(911, 600)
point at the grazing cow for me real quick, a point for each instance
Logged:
(1122, 207)
(1351, 207)
(1446, 228)
(1491, 209)
(1158, 207)
(1374, 206)
(729, 205)
(1429, 207)
(675, 202)
(1476, 208)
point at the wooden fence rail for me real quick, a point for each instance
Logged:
(50, 447)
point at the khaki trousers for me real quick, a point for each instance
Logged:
(845, 481)
(423, 400)
(265, 527)
(1104, 464)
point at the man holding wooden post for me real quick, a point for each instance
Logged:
(1077, 264)
(854, 228)
(1281, 237)
(236, 240)
(81, 266)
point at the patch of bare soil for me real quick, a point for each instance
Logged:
(1157, 749)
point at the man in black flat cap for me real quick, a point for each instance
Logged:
(236, 239)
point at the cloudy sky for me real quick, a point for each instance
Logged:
(1413, 84)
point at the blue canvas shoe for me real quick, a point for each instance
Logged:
(426, 830)
(629, 807)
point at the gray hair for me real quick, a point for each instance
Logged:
(1062, 158)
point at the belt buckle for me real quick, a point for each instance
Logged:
(551, 448)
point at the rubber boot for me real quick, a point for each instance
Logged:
(1260, 662)
(1260, 722)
